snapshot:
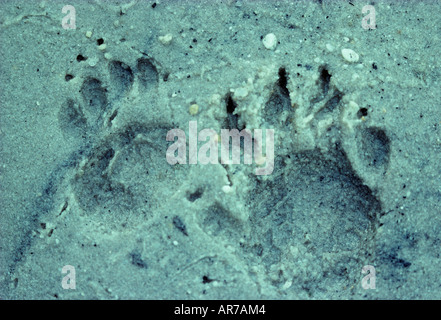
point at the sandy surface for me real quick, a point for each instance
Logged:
(84, 180)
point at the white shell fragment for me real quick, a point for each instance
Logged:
(329, 47)
(270, 41)
(165, 40)
(349, 55)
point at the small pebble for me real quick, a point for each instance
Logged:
(215, 99)
(102, 47)
(329, 47)
(349, 55)
(88, 34)
(93, 61)
(353, 105)
(165, 40)
(240, 93)
(270, 41)
(194, 108)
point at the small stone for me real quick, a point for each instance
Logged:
(88, 34)
(240, 93)
(349, 55)
(329, 47)
(93, 61)
(102, 47)
(353, 105)
(215, 99)
(165, 40)
(194, 108)
(287, 285)
(270, 41)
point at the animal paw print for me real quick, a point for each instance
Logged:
(123, 175)
(91, 113)
(317, 205)
(325, 110)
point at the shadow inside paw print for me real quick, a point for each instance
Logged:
(82, 119)
(278, 107)
(328, 98)
(126, 176)
(148, 73)
(375, 148)
(121, 75)
(316, 203)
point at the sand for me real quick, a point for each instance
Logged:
(86, 105)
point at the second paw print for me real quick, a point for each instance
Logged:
(89, 113)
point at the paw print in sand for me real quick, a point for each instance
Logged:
(319, 204)
(117, 182)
